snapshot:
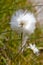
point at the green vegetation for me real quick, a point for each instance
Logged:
(10, 40)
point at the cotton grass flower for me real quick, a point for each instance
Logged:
(23, 22)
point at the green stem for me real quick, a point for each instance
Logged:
(21, 40)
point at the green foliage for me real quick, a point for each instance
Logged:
(10, 40)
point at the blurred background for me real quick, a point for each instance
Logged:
(10, 40)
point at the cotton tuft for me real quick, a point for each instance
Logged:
(34, 49)
(23, 21)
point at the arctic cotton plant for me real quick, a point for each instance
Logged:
(23, 22)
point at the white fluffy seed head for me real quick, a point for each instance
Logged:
(23, 21)
(34, 49)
